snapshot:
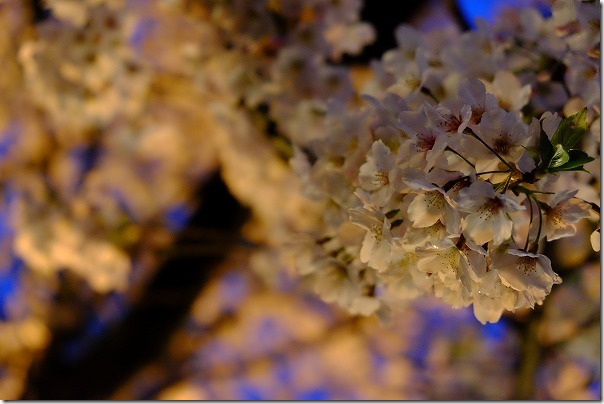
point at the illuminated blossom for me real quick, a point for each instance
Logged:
(526, 272)
(562, 214)
(432, 204)
(375, 250)
(488, 218)
(377, 174)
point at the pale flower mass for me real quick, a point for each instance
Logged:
(461, 163)
(445, 168)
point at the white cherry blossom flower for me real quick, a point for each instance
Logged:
(403, 280)
(561, 214)
(377, 243)
(488, 218)
(505, 133)
(424, 141)
(491, 298)
(416, 237)
(445, 120)
(334, 284)
(447, 263)
(525, 272)
(432, 204)
(473, 92)
(475, 53)
(349, 38)
(377, 174)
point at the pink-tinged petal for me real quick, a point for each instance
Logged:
(561, 218)
(558, 230)
(510, 204)
(474, 196)
(362, 219)
(472, 92)
(563, 196)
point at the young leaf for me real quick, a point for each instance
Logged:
(392, 213)
(559, 158)
(571, 130)
(577, 159)
(396, 223)
(546, 150)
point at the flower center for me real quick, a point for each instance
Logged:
(491, 207)
(476, 115)
(380, 177)
(435, 199)
(452, 123)
(528, 265)
(377, 232)
(502, 144)
(425, 142)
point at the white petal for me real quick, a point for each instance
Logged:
(486, 309)
(474, 228)
(367, 247)
(502, 227)
(426, 209)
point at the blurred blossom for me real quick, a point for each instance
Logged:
(385, 199)
(290, 346)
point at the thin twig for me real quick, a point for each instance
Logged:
(535, 245)
(470, 132)
(449, 148)
(528, 234)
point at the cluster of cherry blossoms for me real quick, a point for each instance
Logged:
(269, 82)
(443, 174)
(469, 152)
(85, 109)
(113, 112)
(81, 114)
(96, 86)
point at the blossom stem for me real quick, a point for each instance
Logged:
(522, 189)
(426, 90)
(493, 172)
(451, 183)
(535, 245)
(507, 184)
(460, 156)
(474, 135)
(528, 234)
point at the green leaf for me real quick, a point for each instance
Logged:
(571, 130)
(559, 158)
(396, 223)
(577, 159)
(546, 150)
(392, 213)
